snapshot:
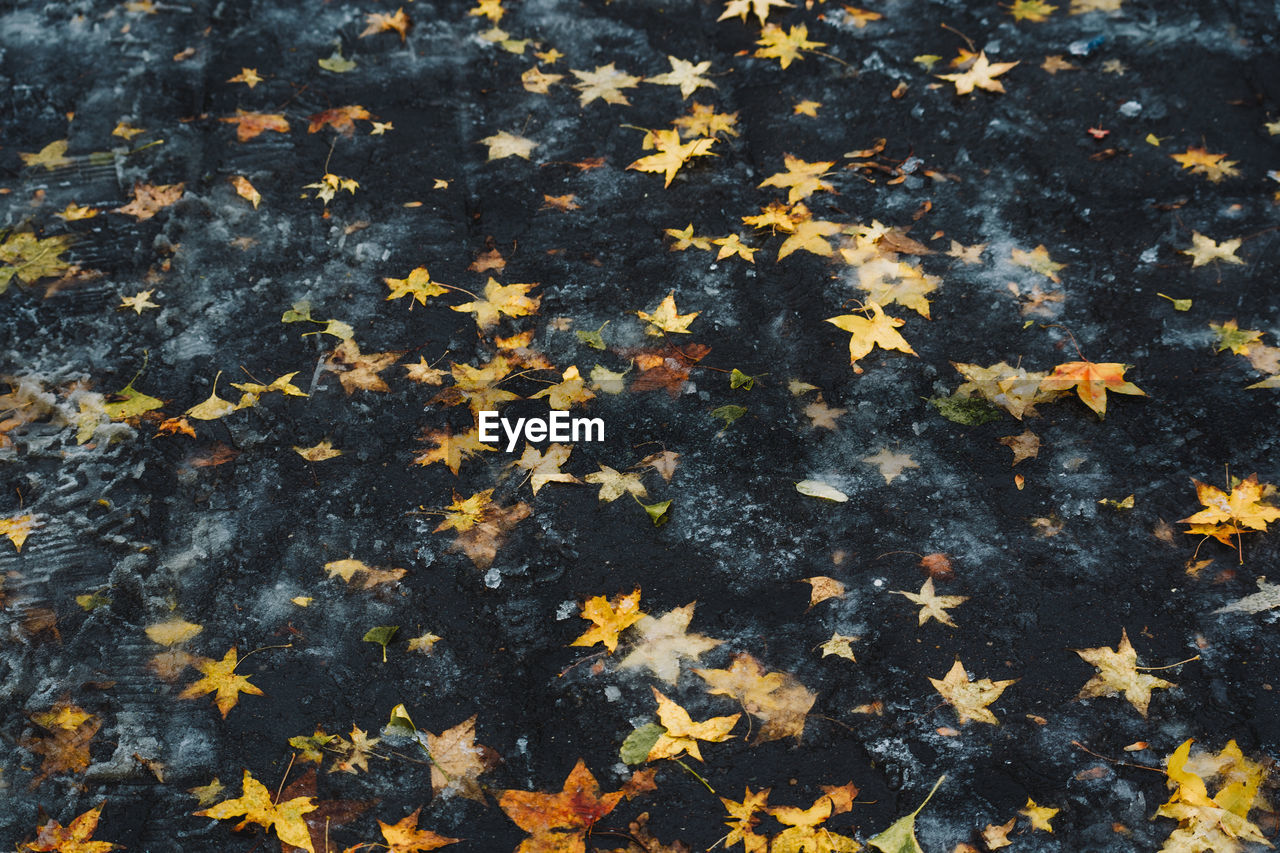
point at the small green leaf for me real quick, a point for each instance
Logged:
(381, 635)
(969, 411)
(400, 725)
(659, 513)
(900, 837)
(728, 414)
(635, 749)
(738, 379)
(1178, 304)
(299, 313)
(130, 403)
(336, 63)
(92, 601)
(340, 330)
(595, 340)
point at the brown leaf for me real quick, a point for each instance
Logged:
(149, 199)
(341, 119)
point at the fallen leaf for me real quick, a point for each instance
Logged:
(776, 699)
(663, 642)
(970, 698)
(219, 678)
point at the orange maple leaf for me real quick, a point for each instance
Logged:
(667, 368)
(250, 125)
(341, 119)
(559, 822)
(1092, 381)
(380, 22)
(75, 837)
(405, 837)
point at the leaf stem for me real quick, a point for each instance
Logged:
(695, 775)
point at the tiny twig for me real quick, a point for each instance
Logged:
(1168, 666)
(1116, 761)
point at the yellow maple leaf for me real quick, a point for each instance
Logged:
(219, 678)
(682, 733)
(703, 120)
(932, 605)
(361, 575)
(538, 81)
(255, 805)
(609, 618)
(1038, 815)
(685, 74)
(417, 284)
(742, 8)
(801, 179)
(1118, 674)
(785, 46)
(511, 300)
(172, 632)
(74, 212)
(840, 645)
(667, 318)
(1219, 823)
(247, 76)
(16, 528)
(809, 235)
(605, 83)
(1037, 260)
(805, 831)
(1031, 10)
(1225, 516)
(671, 153)
(544, 468)
(970, 698)
(1092, 381)
(1204, 250)
(29, 258)
(568, 392)
(869, 332)
(503, 144)
(51, 156)
(450, 448)
(404, 836)
(1215, 167)
(981, 75)
(614, 484)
